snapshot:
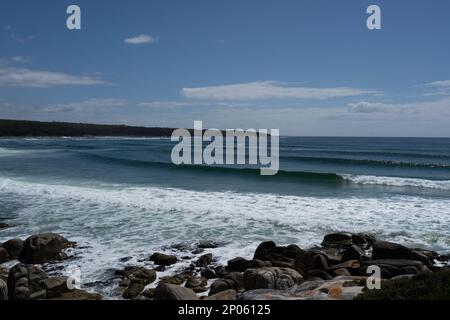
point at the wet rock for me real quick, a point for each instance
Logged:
(163, 259)
(353, 252)
(265, 251)
(233, 280)
(338, 239)
(237, 264)
(26, 282)
(4, 256)
(363, 240)
(160, 268)
(196, 283)
(271, 278)
(207, 244)
(42, 248)
(3, 290)
(4, 274)
(220, 271)
(166, 291)
(139, 278)
(208, 273)
(204, 261)
(389, 250)
(13, 247)
(148, 293)
(56, 286)
(4, 226)
(77, 294)
(177, 279)
(255, 263)
(229, 294)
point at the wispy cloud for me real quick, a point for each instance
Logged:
(18, 77)
(261, 90)
(437, 88)
(86, 105)
(140, 39)
(165, 104)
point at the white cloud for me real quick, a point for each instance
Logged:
(164, 104)
(268, 90)
(40, 79)
(140, 39)
(87, 105)
(437, 88)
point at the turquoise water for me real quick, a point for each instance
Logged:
(119, 197)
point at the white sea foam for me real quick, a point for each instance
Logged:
(119, 221)
(399, 182)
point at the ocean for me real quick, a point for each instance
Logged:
(122, 199)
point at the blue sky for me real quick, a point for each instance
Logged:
(305, 67)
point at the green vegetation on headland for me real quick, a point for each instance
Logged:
(22, 128)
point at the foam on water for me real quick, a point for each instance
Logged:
(399, 182)
(111, 222)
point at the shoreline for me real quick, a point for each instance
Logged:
(336, 270)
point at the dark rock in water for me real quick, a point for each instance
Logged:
(338, 239)
(77, 294)
(160, 268)
(265, 251)
(148, 293)
(4, 256)
(42, 248)
(138, 278)
(220, 271)
(195, 282)
(208, 273)
(3, 290)
(166, 291)
(353, 252)
(163, 259)
(56, 286)
(4, 226)
(125, 259)
(26, 282)
(13, 247)
(233, 280)
(229, 294)
(237, 264)
(389, 250)
(316, 273)
(271, 278)
(177, 279)
(204, 260)
(205, 244)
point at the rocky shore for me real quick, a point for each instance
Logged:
(336, 270)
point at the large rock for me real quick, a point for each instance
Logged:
(167, 291)
(13, 247)
(389, 250)
(265, 251)
(4, 256)
(198, 284)
(42, 248)
(204, 261)
(338, 239)
(162, 259)
(56, 286)
(3, 290)
(26, 282)
(233, 280)
(77, 294)
(138, 278)
(271, 278)
(238, 264)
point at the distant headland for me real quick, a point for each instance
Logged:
(25, 128)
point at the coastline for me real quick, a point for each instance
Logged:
(336, 270)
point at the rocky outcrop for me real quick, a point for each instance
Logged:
(389, 250)
(42, 248)
(271, 278)
(134, 279)
(167, 291)
(3, 290)
(26, 282)
(13, 247)
(233, 280)
(4, 256)
(163, 259)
